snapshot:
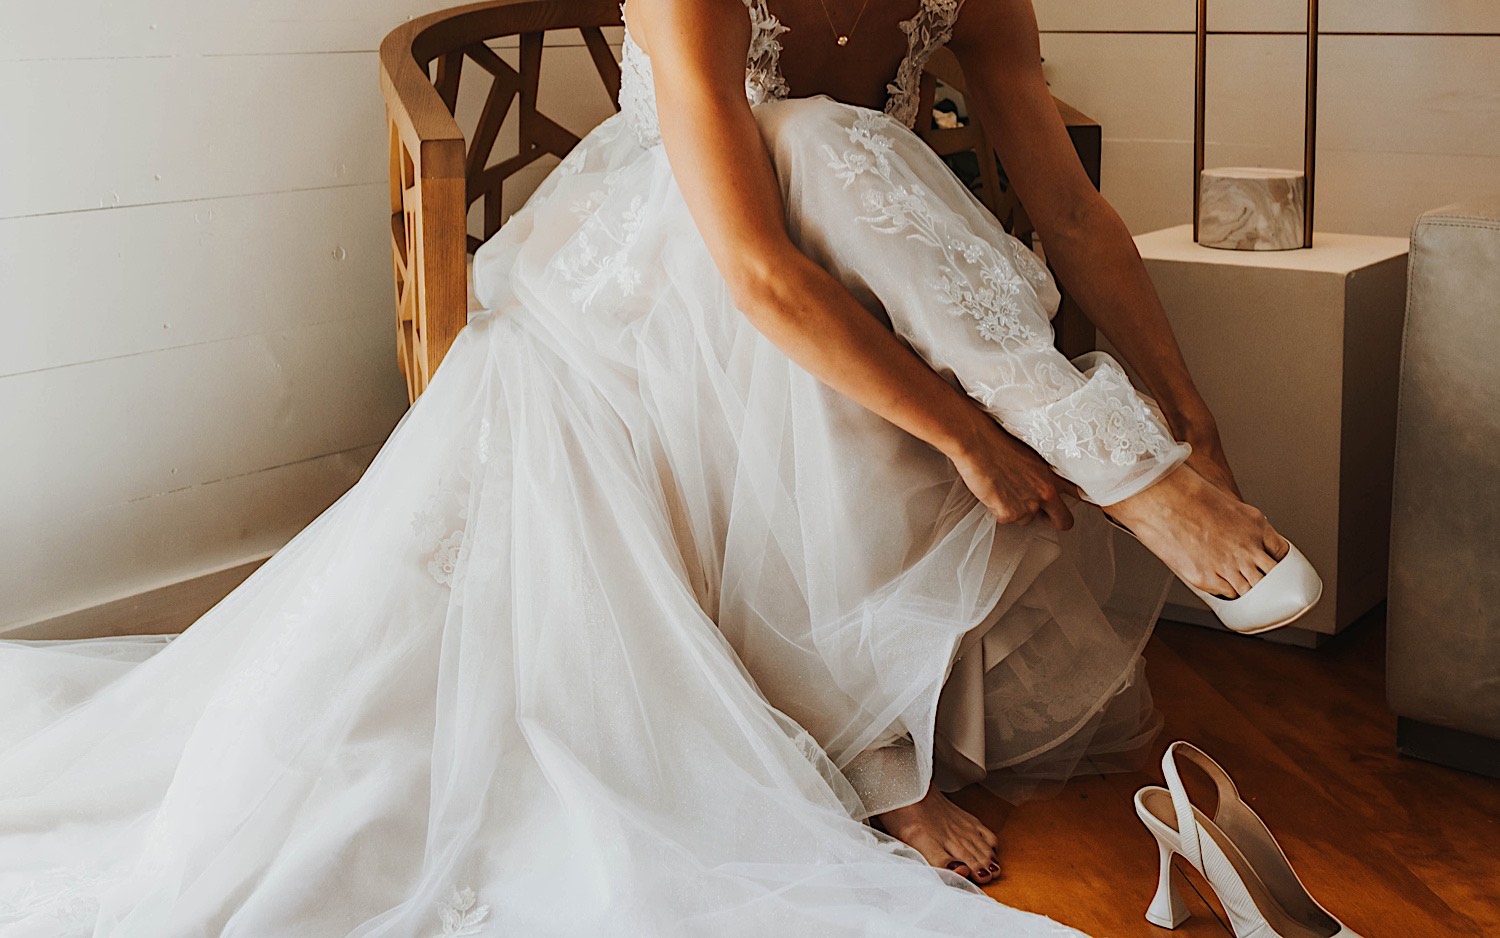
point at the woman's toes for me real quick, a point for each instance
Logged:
(1239, 584)
(987, 870)
(1216, 585)
(961, 868)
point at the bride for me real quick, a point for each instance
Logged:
(687, 563)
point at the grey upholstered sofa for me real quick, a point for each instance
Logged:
(1443, 652)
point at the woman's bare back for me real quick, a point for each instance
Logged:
(862, 70)
(857, 73)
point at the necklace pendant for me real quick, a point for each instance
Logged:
(843, 40)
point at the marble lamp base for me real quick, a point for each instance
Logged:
(1247, 208)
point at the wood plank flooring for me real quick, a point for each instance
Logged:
(1394, 847)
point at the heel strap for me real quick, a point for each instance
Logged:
(1187, 826)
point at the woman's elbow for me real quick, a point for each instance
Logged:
(759, 280)
(1077, 217)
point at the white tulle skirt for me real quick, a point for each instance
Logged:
(627, 627)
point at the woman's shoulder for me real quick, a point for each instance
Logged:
(677, 22)
(990, 26)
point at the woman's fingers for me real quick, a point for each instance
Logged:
(1064, 487)
(1057, 513)
(1006, 514)
(1047, 506)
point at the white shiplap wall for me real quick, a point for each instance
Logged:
(1409, 100)
(195, 285)
(193, 274)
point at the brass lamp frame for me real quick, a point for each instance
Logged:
(1309, 130)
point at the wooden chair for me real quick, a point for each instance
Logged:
(438, 173)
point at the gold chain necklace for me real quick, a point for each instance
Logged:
(838, 37)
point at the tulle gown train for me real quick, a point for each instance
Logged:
(628, 624)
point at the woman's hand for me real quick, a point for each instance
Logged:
(1012, 481)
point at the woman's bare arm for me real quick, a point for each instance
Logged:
(999, 48)
(721, 164)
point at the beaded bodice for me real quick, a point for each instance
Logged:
(926, 32)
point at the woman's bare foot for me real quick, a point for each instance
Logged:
(1202, 532)
(947, 836)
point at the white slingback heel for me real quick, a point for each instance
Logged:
(1236, 854)
(1285, 594)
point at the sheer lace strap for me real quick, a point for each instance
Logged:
(763, 81)
(926, 32)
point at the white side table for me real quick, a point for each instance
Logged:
(1298, 354)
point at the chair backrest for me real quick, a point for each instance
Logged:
(438, 174)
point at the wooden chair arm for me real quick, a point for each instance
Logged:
(436, 173)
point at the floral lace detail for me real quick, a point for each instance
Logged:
(1107, 417)
(926, 32)
(599, 252)
(451, 552)
(637, 93)
(1052, 689)
(763, 81)
(248, 684)
(442, 523)
(998, 302)
(64, 899)
(461, 913)
(1087, 427)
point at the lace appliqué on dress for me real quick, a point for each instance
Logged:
(1106, 419)
(926, 32)
(65, 900)
(1057, 412)
(996, 303)
(248, 683)
(599, 253)
(442, 524)
(638, 93)
(763, 81)
(461, 913)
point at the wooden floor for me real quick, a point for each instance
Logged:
(1392, 846)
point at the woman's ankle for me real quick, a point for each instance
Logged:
(1157, 499)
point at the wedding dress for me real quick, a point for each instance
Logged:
(631, 621)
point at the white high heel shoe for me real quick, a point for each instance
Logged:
(1285, 594)
(1236, 854)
